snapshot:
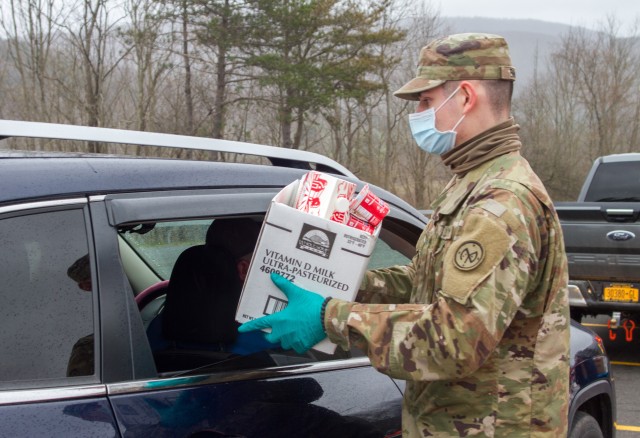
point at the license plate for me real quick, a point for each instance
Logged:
(621, 293)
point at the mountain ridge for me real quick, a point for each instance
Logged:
(530, 41)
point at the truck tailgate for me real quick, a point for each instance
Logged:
(602, 239)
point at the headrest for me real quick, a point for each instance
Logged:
(202, 297)
(238, 236)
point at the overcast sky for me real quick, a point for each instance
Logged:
(585, 13)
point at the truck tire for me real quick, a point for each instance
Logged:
(585, 426)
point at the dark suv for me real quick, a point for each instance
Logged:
(89, 255)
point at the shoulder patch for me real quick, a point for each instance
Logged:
(473, 256)
(469, 255)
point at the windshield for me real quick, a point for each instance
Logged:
(160, 247)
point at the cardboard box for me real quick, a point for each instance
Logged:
(317, 254)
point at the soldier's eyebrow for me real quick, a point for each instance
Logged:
(426, 101)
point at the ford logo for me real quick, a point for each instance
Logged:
(620, 235)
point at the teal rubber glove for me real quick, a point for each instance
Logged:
(296, 327)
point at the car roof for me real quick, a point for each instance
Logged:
(616, 158)
(38, 175)
(42, 177)
(30, 177)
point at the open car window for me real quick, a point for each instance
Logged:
(189, 317)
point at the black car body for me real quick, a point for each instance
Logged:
(129, 219)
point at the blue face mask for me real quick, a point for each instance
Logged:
(429, 139)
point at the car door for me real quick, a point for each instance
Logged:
(265, 393)
(50, 368)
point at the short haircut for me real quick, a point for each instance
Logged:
(499, 93)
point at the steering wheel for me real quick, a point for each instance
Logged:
(151, 293)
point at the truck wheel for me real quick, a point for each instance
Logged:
(585, 426)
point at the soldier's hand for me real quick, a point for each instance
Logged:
(298, 326)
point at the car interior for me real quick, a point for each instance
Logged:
(189, 317)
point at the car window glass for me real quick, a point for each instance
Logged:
(384, 255)
(184, 320)
(618, 181)
(46, 304)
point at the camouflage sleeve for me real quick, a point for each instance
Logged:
(392, 285)
(387, 285)
(478, 298)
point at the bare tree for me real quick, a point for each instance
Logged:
(361, 121)
(142, 40)
(186, 58)
(91, 35)
(32, 35)
(584, 106)
(221, 28)
(604, 67)
(417, 176)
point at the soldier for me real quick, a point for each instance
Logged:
(478, 322)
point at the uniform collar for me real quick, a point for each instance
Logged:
(498, 140)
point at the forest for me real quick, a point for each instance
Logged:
(316, 75)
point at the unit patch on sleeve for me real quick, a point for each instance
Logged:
(469, 255)
(481, 245)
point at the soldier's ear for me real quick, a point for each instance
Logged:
(468, 91)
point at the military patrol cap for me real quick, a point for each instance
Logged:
(458, 57)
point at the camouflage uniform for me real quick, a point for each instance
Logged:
(478, 323)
